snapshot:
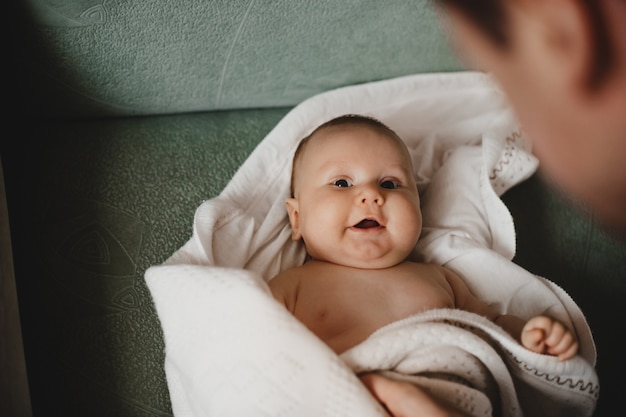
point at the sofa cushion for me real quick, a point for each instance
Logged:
(92, 204)
(148, 57)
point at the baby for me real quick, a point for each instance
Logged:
(356, 207)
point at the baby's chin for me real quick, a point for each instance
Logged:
(380, 263)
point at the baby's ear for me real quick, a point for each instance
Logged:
(293, 212)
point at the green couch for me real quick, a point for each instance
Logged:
(125, 116)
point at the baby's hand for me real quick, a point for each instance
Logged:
(545, 335)
(403, 399)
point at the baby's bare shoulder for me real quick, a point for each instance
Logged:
(284, 285)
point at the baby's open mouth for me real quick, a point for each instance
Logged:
(367, 224)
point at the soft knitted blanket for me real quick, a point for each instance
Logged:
(232, 350)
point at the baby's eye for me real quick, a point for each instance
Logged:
(342, 183)
(389, 184)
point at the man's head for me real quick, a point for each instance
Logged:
(562, 64)
(493, 18)
(354, 197)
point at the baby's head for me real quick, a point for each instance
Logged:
(354, 198)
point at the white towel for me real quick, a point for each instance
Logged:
(232, 350)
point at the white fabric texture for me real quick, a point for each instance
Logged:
(231, 350)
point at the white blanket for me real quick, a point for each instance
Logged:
(230, 349)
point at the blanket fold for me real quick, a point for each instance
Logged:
(231, 349)
(458, 356)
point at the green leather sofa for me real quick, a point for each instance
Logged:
(125, 116)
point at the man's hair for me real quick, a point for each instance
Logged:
(346, 119)
(490, 17)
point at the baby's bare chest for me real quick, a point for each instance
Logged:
(354, 303)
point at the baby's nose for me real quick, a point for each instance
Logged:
(370, 195)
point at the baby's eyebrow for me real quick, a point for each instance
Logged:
(333, 165)
(401, 168)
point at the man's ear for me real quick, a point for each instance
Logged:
(294, 213)
(568, 38)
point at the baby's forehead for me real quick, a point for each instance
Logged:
(314, 150)
(332, 151)
(349, 132)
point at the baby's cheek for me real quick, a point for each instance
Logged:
(409, 227)
(319, 240)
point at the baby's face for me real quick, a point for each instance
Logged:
(356, 201)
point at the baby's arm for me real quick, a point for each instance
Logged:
(540, 334)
